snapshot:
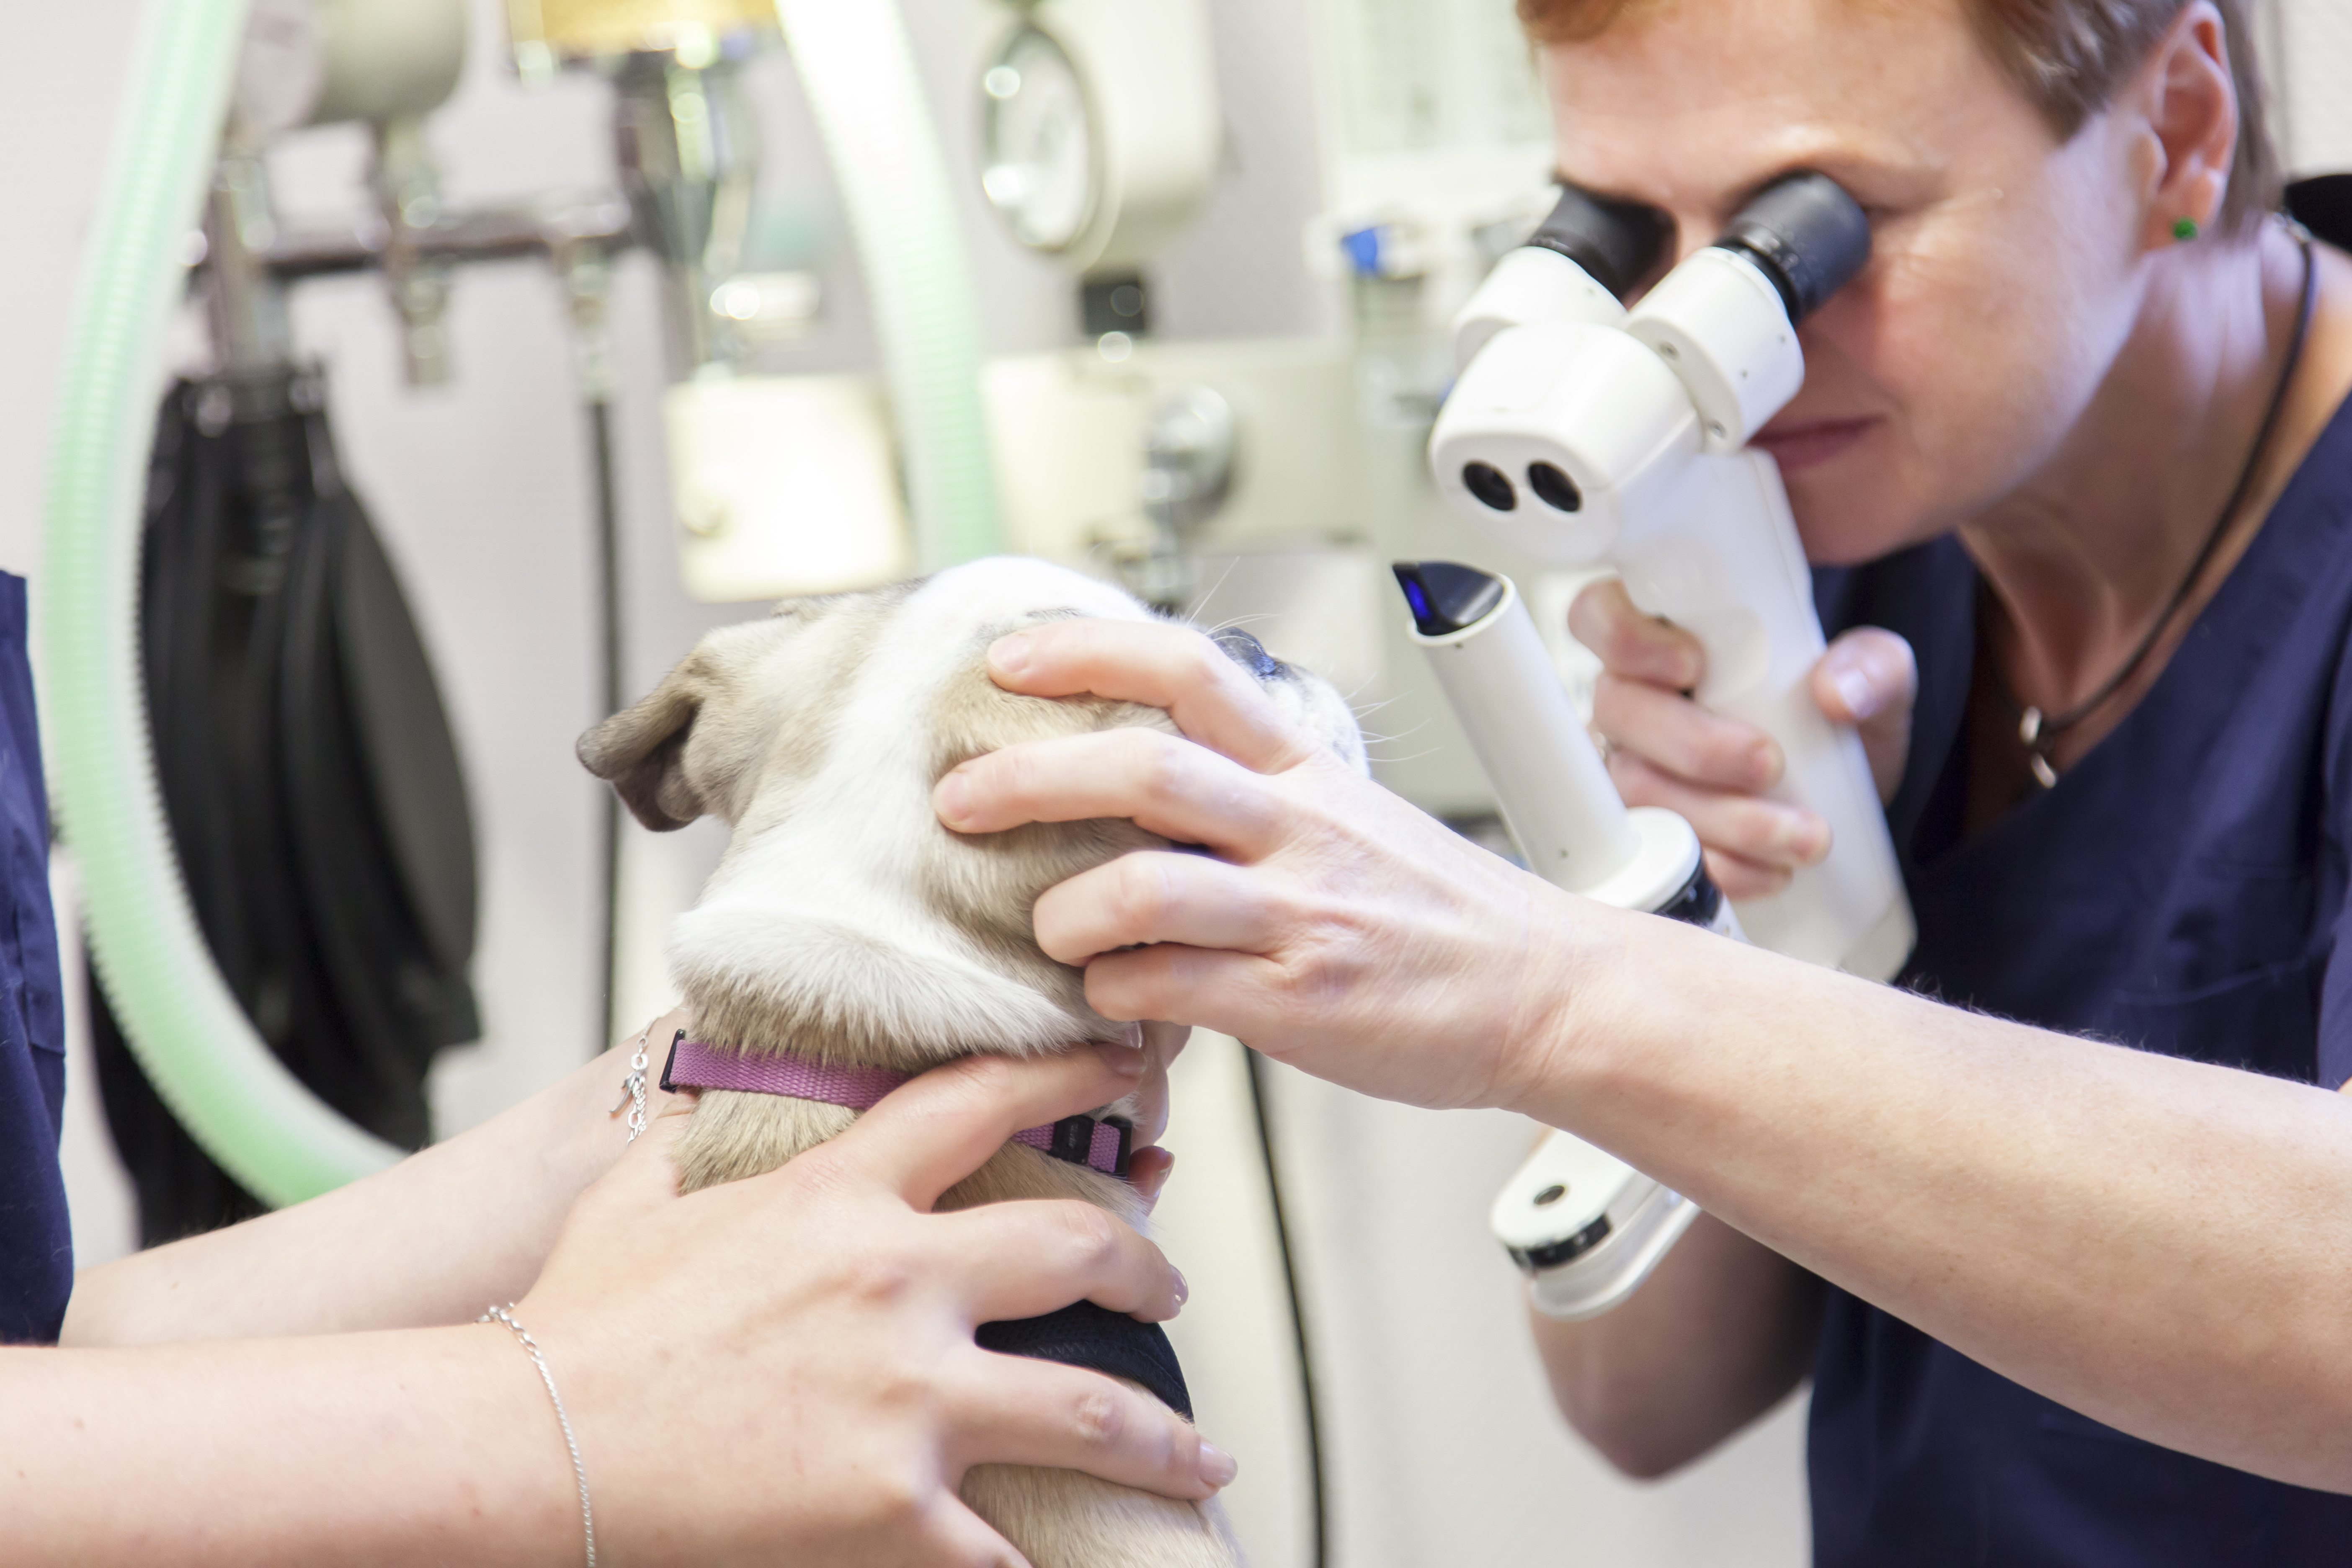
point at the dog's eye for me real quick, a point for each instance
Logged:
(1249, 653)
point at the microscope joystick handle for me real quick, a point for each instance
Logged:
(1724, 563)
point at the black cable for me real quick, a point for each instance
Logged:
(1320, 1556)
(2040, 731)
(608, 566)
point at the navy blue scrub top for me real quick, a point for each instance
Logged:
(35, 1242)
(2181, 890)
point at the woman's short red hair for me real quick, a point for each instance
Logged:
(2067, 56)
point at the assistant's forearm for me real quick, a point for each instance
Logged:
(1720, 1334)
(2161, 1244)
(429, 1241)
(431, 1446)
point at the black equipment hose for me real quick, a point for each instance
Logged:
(608, 599)
(1319, 1555)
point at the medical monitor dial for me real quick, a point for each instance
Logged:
(1043, 169)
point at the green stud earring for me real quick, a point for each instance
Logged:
(2184, 228)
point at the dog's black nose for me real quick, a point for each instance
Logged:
(1249, 653)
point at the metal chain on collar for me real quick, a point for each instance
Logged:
(633, 1090)
(579, 1471)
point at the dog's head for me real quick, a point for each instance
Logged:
(845, 920)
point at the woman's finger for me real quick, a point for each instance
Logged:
(1012, 1410)
(1147, 1107)
(1211, 697)
(1154, 896)
(1630, 644)
(955, 1537)
(1769, 832)
(1870, 679)
(1676, 734)
(1148, 1171)
(1163, 783)
(1215, 988)
(1028, 1257)
(927, 1135)
(1742, 878)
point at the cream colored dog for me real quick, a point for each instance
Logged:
(846, 924)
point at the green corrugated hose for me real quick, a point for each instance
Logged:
(858, 71)
(250, 1114)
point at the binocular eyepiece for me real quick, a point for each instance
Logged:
(1803, 232)
(1550, 427)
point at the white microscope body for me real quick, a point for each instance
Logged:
(1586, 434)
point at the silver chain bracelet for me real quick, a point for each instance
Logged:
(579, 1471)
(633, 1090)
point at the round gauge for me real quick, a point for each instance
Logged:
(281, 68)
(1043, 170)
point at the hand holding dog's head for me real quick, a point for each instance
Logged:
(844, 920)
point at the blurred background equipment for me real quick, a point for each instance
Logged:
(306, 769)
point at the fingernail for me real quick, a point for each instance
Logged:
(1801, 838)
(952, 799)
(1856, 690)
(1217, 1467)
(1009, 654)
(1127, 1061)
(1183, 1291)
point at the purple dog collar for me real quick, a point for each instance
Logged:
(1101, 1145)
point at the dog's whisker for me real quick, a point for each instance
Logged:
(1234, 622)
(1210, 592)
(1406, 733)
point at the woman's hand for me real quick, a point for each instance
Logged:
(804, 1338)
(1334, 926)
(1666, 750)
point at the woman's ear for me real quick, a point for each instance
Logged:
(2185, 93)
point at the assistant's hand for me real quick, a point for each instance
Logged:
(783, 1368)
(1335, 926)
(1666, 750)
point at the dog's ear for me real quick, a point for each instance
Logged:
(642, 751)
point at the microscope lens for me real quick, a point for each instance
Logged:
(1486, 482)
(1554, 489)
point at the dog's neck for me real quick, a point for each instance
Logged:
(1100, 1143)
(852, 964)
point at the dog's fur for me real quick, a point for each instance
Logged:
(846, 924)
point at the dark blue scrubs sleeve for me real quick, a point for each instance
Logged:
(2333, 1065)
(35, 1239)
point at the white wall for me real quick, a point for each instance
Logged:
(2308, 59)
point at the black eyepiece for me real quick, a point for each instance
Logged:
(1446, 596)
(1486, 482)
(1807, 235)
(1617, 243)
(1553, 488)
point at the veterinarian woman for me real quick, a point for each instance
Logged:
(782, 1369)
(2076, 431)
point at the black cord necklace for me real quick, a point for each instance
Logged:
(2040, 731)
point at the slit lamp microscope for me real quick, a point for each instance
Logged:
(1586, 435)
